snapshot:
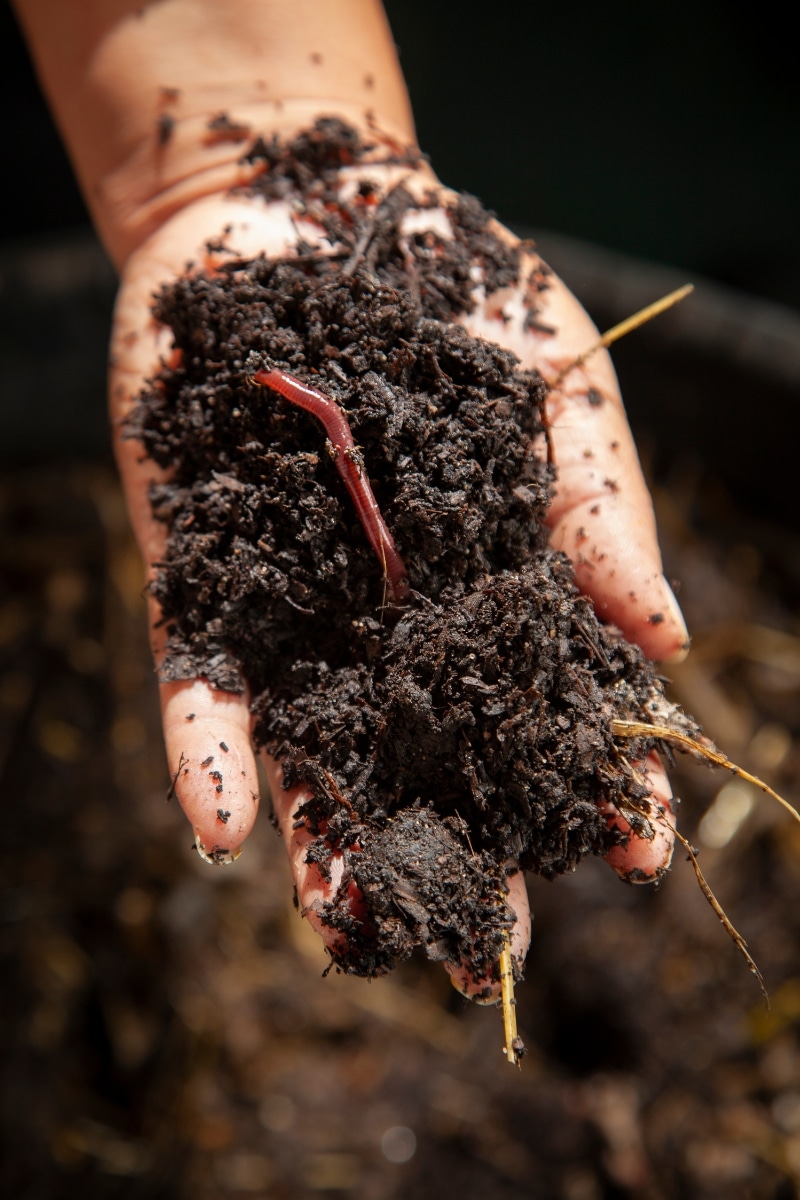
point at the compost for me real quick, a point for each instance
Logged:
(468, 726)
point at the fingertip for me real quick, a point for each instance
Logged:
(643, 859)
(315, 891)
(213, 852)
(212, 766)
(618, 565)
(680, 655)
(662, 632)
(312, 889)
(486, 990)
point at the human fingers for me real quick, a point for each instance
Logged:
(643, 859)
(486, 989)
(206, 731)
(207, 738)
(315, 891)
(601, 515)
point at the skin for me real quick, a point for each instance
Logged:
(114, 69)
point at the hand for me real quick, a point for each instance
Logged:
(134, 84)
(602, 517)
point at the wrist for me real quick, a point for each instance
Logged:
(134, 84)
(186, 158)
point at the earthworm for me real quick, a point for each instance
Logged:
(350, 466)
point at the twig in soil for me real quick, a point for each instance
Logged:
(514, 1047)
(361, 247)
(338, 795)
(632, 729)
(350, 466)
(627, 326)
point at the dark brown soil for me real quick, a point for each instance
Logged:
(470, 726)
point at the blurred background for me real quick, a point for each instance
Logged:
(167, 1032)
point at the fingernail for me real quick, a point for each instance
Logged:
(479, 992)
(636, 875)
(218, 856)
(675, 616)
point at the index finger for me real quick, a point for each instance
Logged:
(601, 515)
(206, 730)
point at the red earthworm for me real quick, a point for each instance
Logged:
(350, 466)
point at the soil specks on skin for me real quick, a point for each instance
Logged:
(222, 129)
(534, 324)
(441, 739)
(165, 126)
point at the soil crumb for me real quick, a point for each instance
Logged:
(469, 727)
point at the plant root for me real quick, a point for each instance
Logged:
(624, 327)
(514, 1048)
(736, 937)
(704, 749)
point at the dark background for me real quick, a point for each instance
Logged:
(667, 132)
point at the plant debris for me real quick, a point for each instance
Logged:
(469, 726)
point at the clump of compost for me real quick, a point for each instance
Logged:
(468, 726)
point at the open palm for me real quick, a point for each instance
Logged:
(601, 515)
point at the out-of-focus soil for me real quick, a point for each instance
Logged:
(168, 1032)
